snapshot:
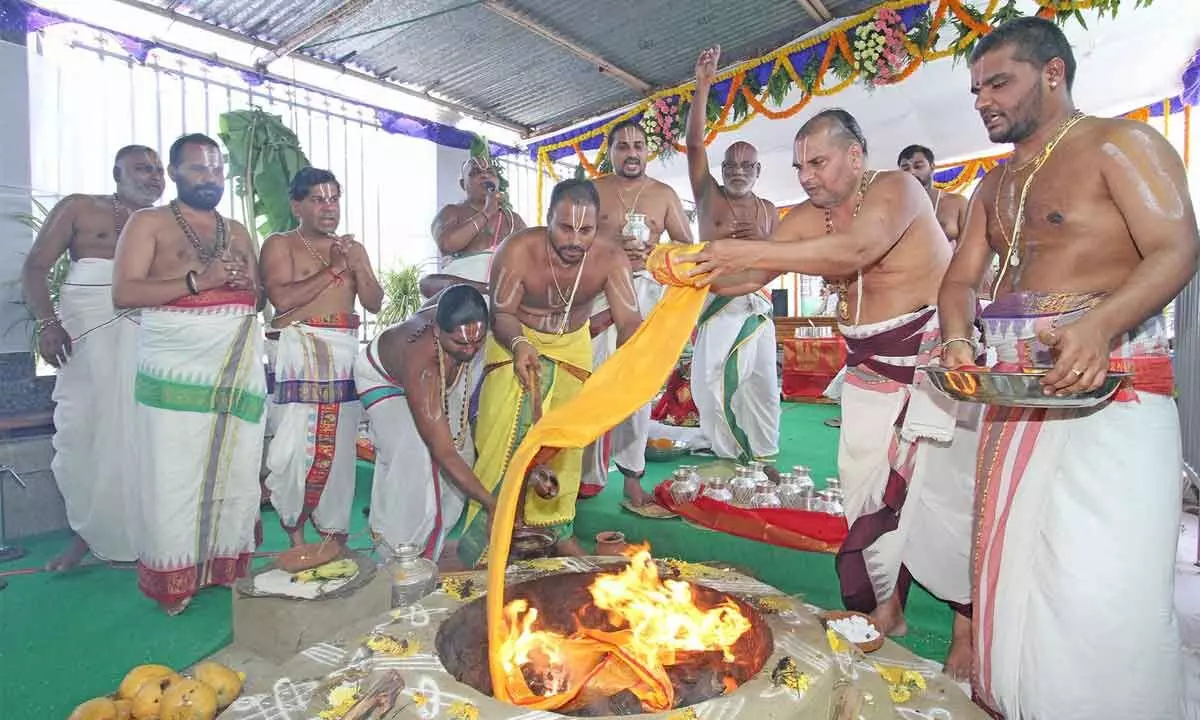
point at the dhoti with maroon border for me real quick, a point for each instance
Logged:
(906, 459)
(201, 393)
(1078, 527)
(311, 461)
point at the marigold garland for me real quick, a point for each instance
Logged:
(944, 28)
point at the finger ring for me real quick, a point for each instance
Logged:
(1077, 373)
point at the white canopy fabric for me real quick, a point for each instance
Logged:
(1124, 63)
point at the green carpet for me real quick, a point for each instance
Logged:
(66, 638)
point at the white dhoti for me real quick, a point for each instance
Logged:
(311, 462)
(735, 377)
(624, 445)
(906, 459)
(201, 394)
(412, 503)
(95, 448)
(1079, 523)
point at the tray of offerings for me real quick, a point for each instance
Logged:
(665, 450)
(1014, 389)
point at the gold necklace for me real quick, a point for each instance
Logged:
(567, 301)
(841, 287)
(1013, 256)
(312, 250)
(460, 437)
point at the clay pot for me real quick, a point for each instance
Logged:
(610, 542)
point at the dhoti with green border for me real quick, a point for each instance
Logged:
(735, 379)
(201, 395)
(506, 412)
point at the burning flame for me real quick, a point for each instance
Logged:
(657, 623)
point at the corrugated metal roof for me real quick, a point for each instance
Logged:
(470, 55)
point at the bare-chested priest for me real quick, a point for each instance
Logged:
(544, 282)
(314, 277)
(735, 338)
(468, 233)
(950, 208)
(93, 346)
(906, 456)
(200, 386)
(635, 211)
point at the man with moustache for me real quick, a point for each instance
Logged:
(906, 456)
(92, 345)
(468, 233)
(950, 209)
(544, 283)
(734, 379)
(313, 277)
(200, 386)
(1096, 233)
(635, 212)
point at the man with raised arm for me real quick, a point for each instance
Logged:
(635, 212)
(1096, 234)
(468, 233)
(544, 282)
(735, 383)
(314, 277)
(92, 345)
(200, 386)
(906, 459)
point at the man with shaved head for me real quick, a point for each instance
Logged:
(734, 380)
(467, 233)
(92, 344)
(906, 458)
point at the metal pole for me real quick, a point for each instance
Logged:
(9, 552)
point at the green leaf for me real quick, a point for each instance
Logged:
(401, 295)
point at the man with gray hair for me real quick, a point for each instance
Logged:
(905, 459)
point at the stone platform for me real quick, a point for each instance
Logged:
(835, 685)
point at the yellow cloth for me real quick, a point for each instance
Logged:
(505, 417)
(625, 382)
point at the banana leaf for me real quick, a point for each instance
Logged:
(264, 156)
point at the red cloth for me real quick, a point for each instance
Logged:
(809, 365)
(365, 450)
(796, 529)
(676, 406)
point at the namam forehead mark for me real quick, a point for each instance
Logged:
(210, 158)
(740, 151)
(476, 162)
(471, 332)
(628, 134)
(325, 192)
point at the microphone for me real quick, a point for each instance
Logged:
(489, 186)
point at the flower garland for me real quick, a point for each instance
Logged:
(913, 31)
(879, 51)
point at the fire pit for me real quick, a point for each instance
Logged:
(428, 661)
(621, 642)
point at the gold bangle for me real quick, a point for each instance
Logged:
(512, 346)
(966, 340)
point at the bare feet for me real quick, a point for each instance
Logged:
(889, 617)
(962, 651)
(569, 548)
(634, 492)
(296, 537)
(176, 607)
(70, 557)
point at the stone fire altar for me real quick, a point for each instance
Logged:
(404, 663)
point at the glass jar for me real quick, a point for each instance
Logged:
(765, 498)
(413, 577)
(684, 487)
(758, 472)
